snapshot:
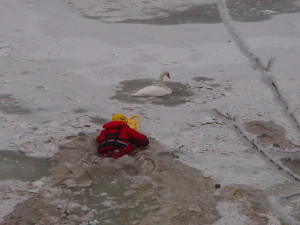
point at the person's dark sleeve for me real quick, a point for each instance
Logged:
(138, 138)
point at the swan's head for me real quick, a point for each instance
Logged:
(166, 73)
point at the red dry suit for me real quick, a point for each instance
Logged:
(116, 139)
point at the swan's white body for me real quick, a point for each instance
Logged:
(160, 90)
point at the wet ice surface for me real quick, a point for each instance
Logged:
(181, 93)
(9, 104)
(137, 189)
(16, 165)
(293, 164)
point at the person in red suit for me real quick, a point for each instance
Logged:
(117, 138)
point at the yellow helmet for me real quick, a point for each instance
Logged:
(119, 117)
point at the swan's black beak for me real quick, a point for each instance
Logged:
(168, 76)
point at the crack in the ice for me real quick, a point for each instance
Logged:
(257, 63)
(268, 79)
(273, 200)
(279, 166)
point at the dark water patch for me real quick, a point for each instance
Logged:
(16, 165)
(292, 164)
(181, 93)
(63, 147)
(9, 104)
(197, 14)
(251, 11)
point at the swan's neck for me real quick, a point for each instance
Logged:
(160, 81)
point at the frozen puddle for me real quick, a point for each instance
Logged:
(181, 92)
(15, 165)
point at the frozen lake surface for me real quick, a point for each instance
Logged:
(233, 117)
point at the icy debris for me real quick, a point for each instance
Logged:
(89, 216)
(85, 208)
(37, 184)
(113, 182)
(209, 120)
(156, 219)
(85, 183)
(73, 205)
(47, 194)
(195, 208)
(108, 203)
(70, 183)
(267, 11)
(36, 187)
(94, 222)
(128, 193)
(206, 87)
(75, 218)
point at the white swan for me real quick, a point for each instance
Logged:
(160, 90)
